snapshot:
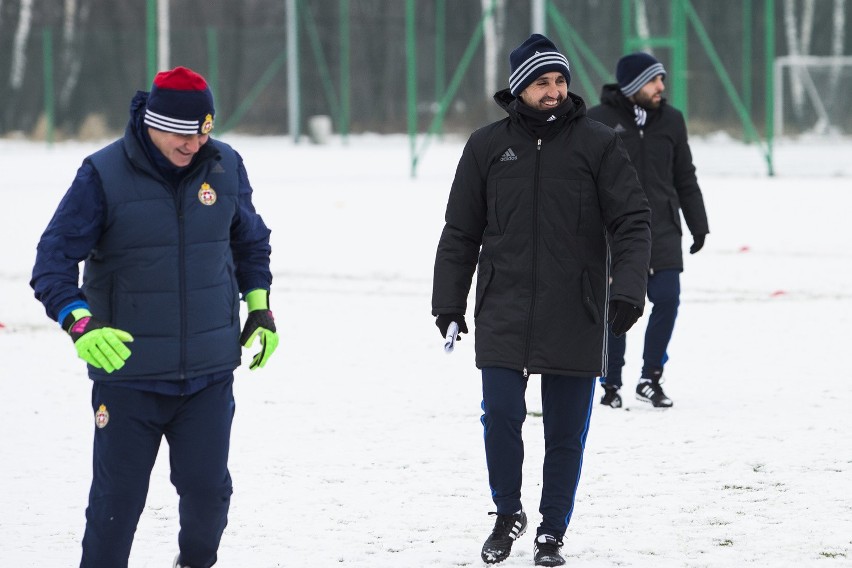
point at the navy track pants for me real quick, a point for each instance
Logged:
(566, 409)
(664, 294)
(198, 429)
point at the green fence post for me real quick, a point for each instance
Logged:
(344, 70)
(727, 84)
(440, 55)
(680, 97)
(151, 39)
(319, 57)
(49, 107)
(626, 25)
(770, 81)
(411, 80)
(746, 61)
(455, 81)
(213, 60)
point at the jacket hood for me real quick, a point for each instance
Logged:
(134, 138)
(142, 150)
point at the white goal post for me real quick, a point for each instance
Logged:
(818, 92)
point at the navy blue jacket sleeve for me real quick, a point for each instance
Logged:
(250, 240)
(69, 238)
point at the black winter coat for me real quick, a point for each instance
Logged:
(660, 153)
(533, 214)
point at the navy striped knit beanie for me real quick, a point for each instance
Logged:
(181, 102)
(532, 59)
(633, 71)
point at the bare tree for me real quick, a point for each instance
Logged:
(19, 49)
(75, 18)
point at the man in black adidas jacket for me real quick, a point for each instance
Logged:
(532, 201)
(655, 136)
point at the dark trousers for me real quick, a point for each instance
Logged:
(198, 429)
(664, 294)
(566, 410)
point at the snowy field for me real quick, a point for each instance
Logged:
(359, 445)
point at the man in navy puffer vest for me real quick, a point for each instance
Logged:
(164, 221)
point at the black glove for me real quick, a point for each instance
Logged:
(443, 322)
(622, 316)
(697, 243)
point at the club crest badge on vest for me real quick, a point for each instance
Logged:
(206, 195)
(101, 416)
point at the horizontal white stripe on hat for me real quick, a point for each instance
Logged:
(633, 87)
(537, 61)
(168, 124)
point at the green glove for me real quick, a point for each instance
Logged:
(260, 323)
(97, 344)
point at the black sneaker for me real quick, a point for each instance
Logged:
(611, 397)
(649, 390)
(507, 529)
(546, 551)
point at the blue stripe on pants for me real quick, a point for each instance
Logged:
(566, 409)
(664, 294)
(197, 428)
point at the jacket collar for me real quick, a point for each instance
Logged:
(539, 123)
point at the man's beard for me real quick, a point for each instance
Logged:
(647, 102)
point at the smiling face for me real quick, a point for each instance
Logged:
(177, 148)
(651, 94)
(546, 92)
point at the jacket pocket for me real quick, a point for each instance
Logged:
(675, 211)
(485, 273)
(589, 299)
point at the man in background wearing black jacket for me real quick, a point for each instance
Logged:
(530, 206)
(655, 136)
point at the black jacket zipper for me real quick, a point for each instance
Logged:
(536, 183)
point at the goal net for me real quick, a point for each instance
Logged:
(812, 96)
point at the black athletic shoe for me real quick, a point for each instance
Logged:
(611, 397)
(546, 551)
(507, 529)
(649, 390)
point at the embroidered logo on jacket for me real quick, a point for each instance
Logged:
(206, 195)
(508, 156)
(101, 416)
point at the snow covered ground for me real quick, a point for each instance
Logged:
(359, 445)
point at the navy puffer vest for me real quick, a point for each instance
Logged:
(163, 268)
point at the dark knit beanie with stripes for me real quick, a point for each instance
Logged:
(532, 59)
(181, 102)
(633, 72)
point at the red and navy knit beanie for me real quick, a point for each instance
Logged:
(633, 71)
(181, 102)
(532, 59)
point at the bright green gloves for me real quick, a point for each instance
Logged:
(99, 345)
(260, 323)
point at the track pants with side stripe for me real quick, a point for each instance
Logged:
(664, 294)
(566, 411)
